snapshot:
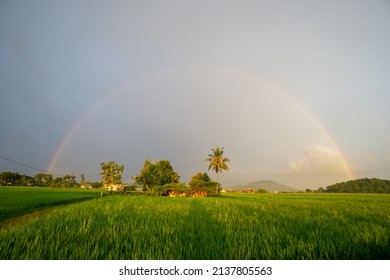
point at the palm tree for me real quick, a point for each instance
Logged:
(218, 163)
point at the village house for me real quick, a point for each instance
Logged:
(115, 187)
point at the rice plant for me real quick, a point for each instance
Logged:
(232, 226)
(17, 201)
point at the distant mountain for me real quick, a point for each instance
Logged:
(270, 186)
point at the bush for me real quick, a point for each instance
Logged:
(202, 185)
(172, 189)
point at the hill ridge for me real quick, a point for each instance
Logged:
(267, 185)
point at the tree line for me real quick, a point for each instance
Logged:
(157, 177)
(38, 180)
(364, 185)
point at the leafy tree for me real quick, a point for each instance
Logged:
(47, 179)
(145, 177)
(175, 189)
(27, 181)
(201, 183)
(321, 190)
(57, 182)
(69, 181)
(111, 174)
(217, 162)
(10, 179)
(131, 187)
(38, 179)
(43, 179)
(157, 173)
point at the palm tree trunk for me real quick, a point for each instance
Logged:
(217, 187)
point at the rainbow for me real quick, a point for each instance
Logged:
(124, 87)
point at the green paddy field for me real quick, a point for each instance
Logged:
(42, 223)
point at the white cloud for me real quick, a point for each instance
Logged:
(319, 159)
(317, 166)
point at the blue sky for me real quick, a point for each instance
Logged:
(295, 92)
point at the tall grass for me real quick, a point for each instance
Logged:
(17, 201)
(266, 226)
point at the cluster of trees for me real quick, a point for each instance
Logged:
(200, 185)
(161, 179)
(364, 185)
(39, 180)
(15, 179)
(249, 190)
(156, 174)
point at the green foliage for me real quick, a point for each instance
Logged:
(364, 185)
(69, 181)
(173, 189)
(201, 183)
(96, 185)
(111, 173)
(131, 187)
(261, 191)
(228, 227)
(39, 180)
(217, 162)
(57, 182)
(157, 173)
(15, 179)
(42, 179)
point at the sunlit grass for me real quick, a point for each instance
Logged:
(17, 201)
(253, 226)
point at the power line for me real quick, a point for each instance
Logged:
(29, 166)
